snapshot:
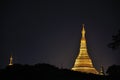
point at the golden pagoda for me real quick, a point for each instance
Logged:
(101, 71)
(11, 61)
(83, 63)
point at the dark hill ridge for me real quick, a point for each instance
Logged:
(44, 72)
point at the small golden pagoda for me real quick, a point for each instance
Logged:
(83, 63)
(11, 61)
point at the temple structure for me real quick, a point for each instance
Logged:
(102, 71)
(83, 62)
(11, 61)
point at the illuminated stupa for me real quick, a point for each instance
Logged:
(83, 62)
(11, 61)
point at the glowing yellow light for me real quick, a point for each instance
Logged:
(11, 61)
(83, 62)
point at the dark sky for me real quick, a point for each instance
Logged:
(50, 31)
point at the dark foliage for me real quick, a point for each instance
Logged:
(45, 72)
(114, 72)
(115, 44)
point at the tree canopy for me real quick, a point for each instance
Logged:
(115, 44)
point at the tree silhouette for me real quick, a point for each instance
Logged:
(44, 72)
(115, 44)
(114, 72)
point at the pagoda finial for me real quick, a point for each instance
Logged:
(11, 60)
(83, 30)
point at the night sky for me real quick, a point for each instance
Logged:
(50, 31)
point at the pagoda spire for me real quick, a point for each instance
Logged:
(11, 60)
(83, 62)
(83, 31)
(102, 71)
